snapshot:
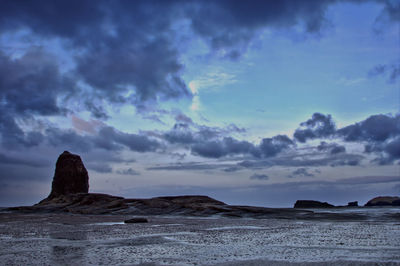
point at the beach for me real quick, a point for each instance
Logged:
(70, 239)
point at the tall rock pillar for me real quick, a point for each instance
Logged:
(70, 176)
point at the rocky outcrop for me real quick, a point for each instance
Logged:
(193, 206)
(136, 220)
(83, 203)
(307, 204)
(384, 201)
(352, 204)
(93, 203)
(70, 187)
(70, 176)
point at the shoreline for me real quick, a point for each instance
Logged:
(55, 238)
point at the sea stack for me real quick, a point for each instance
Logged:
(70, 176)
(384, 201)
(306, 204)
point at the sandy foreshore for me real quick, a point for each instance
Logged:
(67, 239)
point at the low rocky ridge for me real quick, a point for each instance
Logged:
(94, 203)
(70, 195)
(305, 204)
(352, 204)
(384, 201)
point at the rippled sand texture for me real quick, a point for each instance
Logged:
(58, 239)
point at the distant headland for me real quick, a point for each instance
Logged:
(70, 194)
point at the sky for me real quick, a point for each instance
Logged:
(249, 102)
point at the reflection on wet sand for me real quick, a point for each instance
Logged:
(69, 250)
(63, 239)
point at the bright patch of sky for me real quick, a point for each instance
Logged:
(283, 80)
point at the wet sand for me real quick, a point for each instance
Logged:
(67, 239)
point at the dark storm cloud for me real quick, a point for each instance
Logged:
(392, 10)
(391, 71)
(229, 146)
(107, 138)
(66, 19)
(230, 25)
(319, 126)
(376, 128)
(216, 142)
(180, 134)
(259, 177)
(126, 51)
(226, 146)
(379, 133)
(31, 84)
(134, 142)
(69, 139)
(186, 132)
(333, 148)
(388, 151)
(96, 110)
(12, 136)
(393, 148)
(272, 146)
(152, 69)
(128, 171)
(6, 159)
(182, 118)
(300, 172)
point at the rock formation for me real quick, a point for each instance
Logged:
(70, 187)
(70, 176)
(352, 204)
(305, 204)
(384, 201)
(136, 220)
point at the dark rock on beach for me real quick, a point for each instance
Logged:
(83, 203)
(305, 204)
(193, 205)
(70, 189)
(70, 176)
(352, 204)
(136, 220)
(384, 201)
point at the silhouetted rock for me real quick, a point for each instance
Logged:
(305, 204)
(94, 203)
(70, 176)
(136, 220)
(384, 201)
(70, 187)
(352, 204)
(83, 203)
